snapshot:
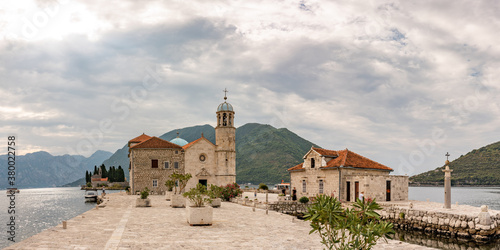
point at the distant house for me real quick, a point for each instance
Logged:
(98, 180)
(345, 174)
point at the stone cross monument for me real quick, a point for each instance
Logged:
(447, 184)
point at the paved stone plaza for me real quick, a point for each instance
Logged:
(120, 225)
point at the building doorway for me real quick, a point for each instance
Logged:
(203, 182)
(356, 190)
(388, 190)
(348, 189)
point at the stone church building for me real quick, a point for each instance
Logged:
(345, 175)
(152, 159)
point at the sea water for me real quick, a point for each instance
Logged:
(39, 209)
(42, 208)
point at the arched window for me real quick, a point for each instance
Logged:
(230, 119)
(312, 162)
(304, 187)
(224, 119)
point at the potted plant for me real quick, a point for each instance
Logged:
(215, 194)
(181, 179)
(198, 214)
(170, 189)
(143, 201)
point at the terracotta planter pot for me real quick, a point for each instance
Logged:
(200, 216)
(142, 202)
(178, 200)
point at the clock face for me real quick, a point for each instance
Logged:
(203, 157)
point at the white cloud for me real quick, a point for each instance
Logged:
(375, 77)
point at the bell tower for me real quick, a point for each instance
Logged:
(225, 140)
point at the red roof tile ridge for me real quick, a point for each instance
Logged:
(384, 167)
(298, 167)
(156, 139)
(140, 138)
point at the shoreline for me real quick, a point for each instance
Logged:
(119, 224)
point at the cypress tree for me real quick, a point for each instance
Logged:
(104, 172)
(86, 176)
(95, 170)
(121, 174)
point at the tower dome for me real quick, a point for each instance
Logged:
(179, 141)
(225, 107)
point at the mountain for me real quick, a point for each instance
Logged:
(478, 167)
(263, 153)
(41, 169)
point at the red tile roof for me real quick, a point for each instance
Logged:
(155, 142)
(298, 167)
(347, 158)
(195, 141)
(140, 138)
(325, 152)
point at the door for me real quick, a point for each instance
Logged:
(203, 182)
(356, 190)
(388, 190)
(348, 188)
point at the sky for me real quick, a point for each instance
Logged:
(399, 82)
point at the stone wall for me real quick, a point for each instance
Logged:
(201, 168)
(469, 227)
(142, 174)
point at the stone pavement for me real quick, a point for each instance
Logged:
(121, 225)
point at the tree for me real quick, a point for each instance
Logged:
(103, 171)
(87, 177)
(121, 174)
(356, 228)
(181, 180)
(263, 186)
(95, 170)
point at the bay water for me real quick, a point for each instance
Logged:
(42, 208)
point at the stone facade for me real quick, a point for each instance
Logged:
(206, 162)
(346, 175)
(142, 174)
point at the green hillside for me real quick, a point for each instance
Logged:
(264, 153)
(478, 167)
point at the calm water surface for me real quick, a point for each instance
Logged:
(41, 208)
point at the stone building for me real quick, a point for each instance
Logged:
(345, 174)
(153, 159)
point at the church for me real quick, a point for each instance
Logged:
(153, 160)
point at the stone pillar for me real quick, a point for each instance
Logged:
(447, 186)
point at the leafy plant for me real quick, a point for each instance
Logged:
(170, 185)
(339, 228)
(231, 191)
(180, 179)
(198, 195)
(89, 184)
(281, 195)
(303, 200)
(263, 186)
(215, 192)
(145, 193)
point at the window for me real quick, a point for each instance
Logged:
(167, 164)
(304, 186)
(176, 152)
(202, 157)
(320, 186)
(312, 162)
(154, 163)
(176, 165)
(155, 183)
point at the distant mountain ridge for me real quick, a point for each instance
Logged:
(263, 153)
(41, 169)
(478, 167)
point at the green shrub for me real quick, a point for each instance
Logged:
(303, 200)
(231, 191)
(197, 195)
(339, 228)
(170, 185)
(263, 186)
(89, 184)
(145, 193)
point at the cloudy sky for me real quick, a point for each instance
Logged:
(400, 82)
